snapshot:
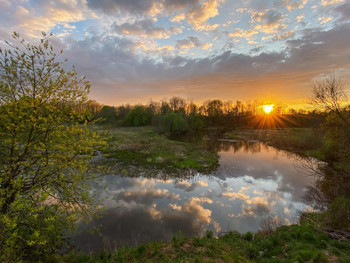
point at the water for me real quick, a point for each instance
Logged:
(253, 182)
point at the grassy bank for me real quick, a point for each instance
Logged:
(142, 147)
(304, 141)
(288, 244)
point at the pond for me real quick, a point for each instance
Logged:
(253, 182)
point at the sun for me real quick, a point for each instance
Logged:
(268, 108)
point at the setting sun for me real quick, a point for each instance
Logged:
(268, 108)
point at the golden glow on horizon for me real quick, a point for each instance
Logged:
(268, 108)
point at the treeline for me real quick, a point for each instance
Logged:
(177, 115)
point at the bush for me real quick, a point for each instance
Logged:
(339, 213)
(138, 116)
(172, 124)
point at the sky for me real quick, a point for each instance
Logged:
(136, 50)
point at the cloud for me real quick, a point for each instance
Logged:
(331, 2)
(291, 5)
(268, 21)
(113, 67)
(300, 18)
(236, 195)
(239, 32)
(40, 16)
(194, 208)
(199, 15)
(175, 207)
(149, 7)
(190, 42)
(202, 183)
(344, 12)
(284, 36)
(325, 19)
(140, 7)
(145, 196)
(145, 28)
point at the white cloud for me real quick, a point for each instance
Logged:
(199, 15)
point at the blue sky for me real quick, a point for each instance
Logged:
(134, 50)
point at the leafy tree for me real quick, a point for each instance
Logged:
(138, 116)
(174, 124)
(107, 114)
(195, 122)
(44, 153)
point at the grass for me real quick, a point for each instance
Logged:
(293, 243)
(303, 141)
(142, 147)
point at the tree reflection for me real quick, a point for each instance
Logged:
(329, 184)
(237, 146)
(329, 196)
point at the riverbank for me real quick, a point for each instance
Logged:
(303, 141)
(288, 244)
(143, 148)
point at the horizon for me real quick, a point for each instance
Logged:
(134, 51)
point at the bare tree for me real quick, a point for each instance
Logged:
(330, 94)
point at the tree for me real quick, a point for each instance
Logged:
(173, 124)
(333, 184)
(177, 103)
(330, 94)
(44, 153)
(107, 114)
(138, 116)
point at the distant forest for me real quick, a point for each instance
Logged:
(177, 115)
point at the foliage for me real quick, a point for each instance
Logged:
(195, 122)
(138, 116)
(44, 153)
(339, 213)
(174, 124)
(106, 115)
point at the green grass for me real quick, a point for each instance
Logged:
(288, 244)
(145, 148)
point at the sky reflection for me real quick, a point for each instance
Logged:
(253, 182)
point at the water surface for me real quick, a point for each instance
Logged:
(253, 182)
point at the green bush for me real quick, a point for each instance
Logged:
(248, 236)
(339, 213)
(171, 124)
(138, 116)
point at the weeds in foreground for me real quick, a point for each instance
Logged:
(287, 244)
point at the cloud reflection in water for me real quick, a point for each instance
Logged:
(253, 182)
